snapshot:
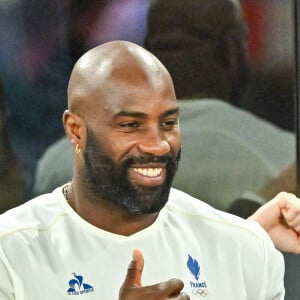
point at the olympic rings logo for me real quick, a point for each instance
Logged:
(200, 292)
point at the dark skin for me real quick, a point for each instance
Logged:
(132, 286)
(280, 217)
(128, 101)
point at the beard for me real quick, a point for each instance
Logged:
(109, 179)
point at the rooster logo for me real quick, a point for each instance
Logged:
(77, 285)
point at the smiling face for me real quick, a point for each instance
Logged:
(132, 134)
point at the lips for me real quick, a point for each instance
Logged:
(147, 175)
(149, 172)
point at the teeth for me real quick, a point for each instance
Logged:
(150, 172)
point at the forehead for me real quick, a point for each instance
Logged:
(135, 90)
(146, 99)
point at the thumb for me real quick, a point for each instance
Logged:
(135, 269)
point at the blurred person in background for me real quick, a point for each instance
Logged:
(11, 185)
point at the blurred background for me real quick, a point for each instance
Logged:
(41, 40)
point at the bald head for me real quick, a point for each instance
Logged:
(110, 66)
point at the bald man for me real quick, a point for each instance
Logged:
(203, 45)
(120, 213)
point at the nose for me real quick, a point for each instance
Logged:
(154, 144)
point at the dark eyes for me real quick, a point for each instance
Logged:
(135, 125)
(138, 124)
(130, 125)
(172, 122)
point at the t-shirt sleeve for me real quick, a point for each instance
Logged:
(273, 271)
(6, 286)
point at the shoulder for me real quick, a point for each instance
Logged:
(219, 113)
(225, 233)
(202, 215)
(238, 240)
(208, 106)
(37, 214)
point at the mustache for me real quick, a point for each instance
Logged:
(168, 159)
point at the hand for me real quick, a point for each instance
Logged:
(132, 288)
(280, 217)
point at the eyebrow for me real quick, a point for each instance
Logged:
(141, 115)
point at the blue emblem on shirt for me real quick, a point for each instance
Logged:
(194, 267)
(198, 288)
(78, 287)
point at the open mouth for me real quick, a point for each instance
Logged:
(147, 176)
(149, 172)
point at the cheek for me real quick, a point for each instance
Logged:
(174, 141)
(117, 147)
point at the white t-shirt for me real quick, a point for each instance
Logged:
(49, 252)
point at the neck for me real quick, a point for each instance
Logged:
(104, 215)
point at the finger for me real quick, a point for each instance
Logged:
(290, 210)
(297, 229)
(184, 296)
(293, 222)
(287, 201)
(181, 296)
(134, 272)
(172, 288)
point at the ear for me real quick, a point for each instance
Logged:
(75, 128)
